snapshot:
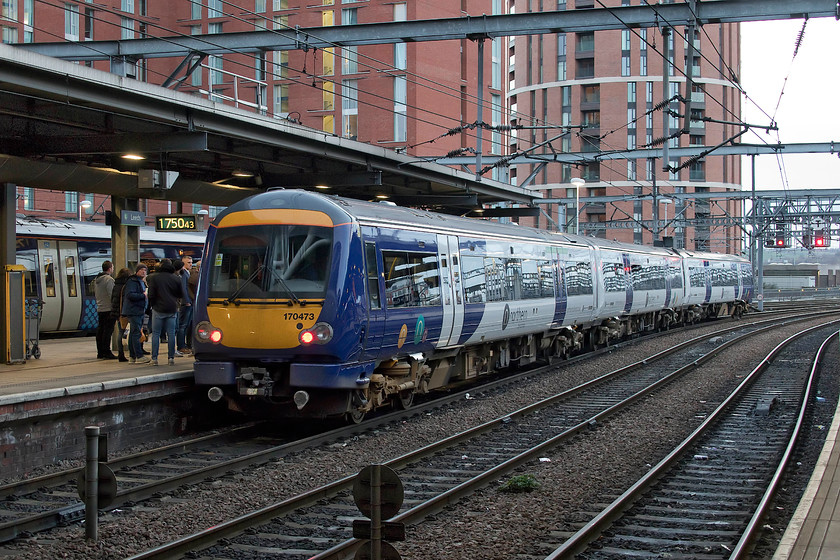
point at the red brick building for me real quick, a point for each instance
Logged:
(605, 86)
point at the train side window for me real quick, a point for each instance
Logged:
(70, 268)
(411, 279)
(372, 276)
(472, 269)
(49, 277)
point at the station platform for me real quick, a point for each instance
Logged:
(69, 376)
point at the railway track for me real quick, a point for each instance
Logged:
(39, 504)
(708, 497)
(317, 524)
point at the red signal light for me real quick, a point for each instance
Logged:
(819, 242)
(780, 242)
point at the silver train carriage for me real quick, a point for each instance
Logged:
(62, 257)
(321, 306)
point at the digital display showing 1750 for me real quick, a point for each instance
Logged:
(176, 222)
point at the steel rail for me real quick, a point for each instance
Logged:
(578, 542)
(233, 527)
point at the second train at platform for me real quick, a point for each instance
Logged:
(61, 258)
(318, 306)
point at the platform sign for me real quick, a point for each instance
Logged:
(132, 218)
(176, 222)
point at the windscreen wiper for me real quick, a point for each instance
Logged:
(286, 287)
(248, 281)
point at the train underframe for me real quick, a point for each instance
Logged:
(395, 383)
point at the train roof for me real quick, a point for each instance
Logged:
(54, 228)
(383, 213)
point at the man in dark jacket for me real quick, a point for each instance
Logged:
(165, 290)
(116, 309)
(135, 300)
(103, 287)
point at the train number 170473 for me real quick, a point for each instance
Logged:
(299, 316)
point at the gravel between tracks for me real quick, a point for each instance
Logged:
(489, 525)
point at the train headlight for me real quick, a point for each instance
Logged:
(205, 332)
(320, 333)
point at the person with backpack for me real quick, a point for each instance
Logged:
(165, 290)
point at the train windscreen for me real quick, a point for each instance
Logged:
(270, 262)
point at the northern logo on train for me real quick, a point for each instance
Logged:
(506, 317)
(420, 330)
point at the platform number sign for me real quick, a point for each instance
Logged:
(176, 222)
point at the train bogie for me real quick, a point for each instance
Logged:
(405, 302)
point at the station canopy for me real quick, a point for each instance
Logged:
(65, 126)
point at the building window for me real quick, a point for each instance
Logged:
(643, 52)
(400, 56)
(327, 18)
(214, 27)
(585, 42)
(585, 68)
(71, 22)
(349, 16)
(195, 9)
(350, 61)
(591, 94)
(28, 20)
(127, 6)
(126, 28)
(561, 56)
(495, 120)
(216, 77)
(350, 109)
(259, 6)
(328, 124)
(280, 5)
(697, 171)
(10, 35)
(215, 9)
(195, 77)
(281, 64)
(28, 198)
(400, 109)
(328, 61)
(328, 96)
(591, 118)
(674, 169)
(281, 100)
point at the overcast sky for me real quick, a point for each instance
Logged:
(809, 108)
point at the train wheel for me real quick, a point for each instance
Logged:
(404, 399)
(354, 416)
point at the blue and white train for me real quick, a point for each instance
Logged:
(320, 306)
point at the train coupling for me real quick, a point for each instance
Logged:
(255, 382)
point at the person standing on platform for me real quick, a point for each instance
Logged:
(185, 313)
(135, 301)
(120, 320)
(103, 287)
(165, 289)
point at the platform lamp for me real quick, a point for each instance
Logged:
(83, 204)
(202, 218)
(578, 184)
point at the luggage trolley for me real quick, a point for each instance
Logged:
(34, 307)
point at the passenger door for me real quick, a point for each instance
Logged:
(60, 285)
(376, 301)
(451, 297)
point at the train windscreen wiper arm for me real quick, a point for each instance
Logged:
(248, 281)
